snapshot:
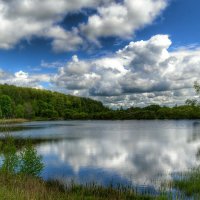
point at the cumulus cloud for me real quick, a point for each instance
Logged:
(22, 78)
(24, 19)
(141, 73)
(64, 40)
(122, 19)
(144, 70)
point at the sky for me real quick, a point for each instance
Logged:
(121, 52)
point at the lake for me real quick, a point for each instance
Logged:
(123, 152)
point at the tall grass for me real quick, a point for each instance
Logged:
(189, 183)
(26, 187)
(12, 121)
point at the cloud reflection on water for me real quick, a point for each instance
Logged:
(138, 151)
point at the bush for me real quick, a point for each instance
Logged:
(49, 113)
(6, 106)
(26, 161)
(31, 163)
(19, 111)
(10, 157)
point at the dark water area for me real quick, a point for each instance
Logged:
(139, 153)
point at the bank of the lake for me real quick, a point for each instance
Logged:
(23, 188)
(125, 152)
(68, 149)
(13, 121)
(18, 187)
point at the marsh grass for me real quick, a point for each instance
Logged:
(189, 183)
(26, 187)
(12, 121)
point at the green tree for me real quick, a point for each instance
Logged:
(41, 106)
(68, 114)
(1, 113)
(194, 102)
(191, 102)
(197, 87)
(26, 161)
(28, 111)
(6, 106)
(31, 163)
(52, 114)
(10, 157)
(39, 103)
(19, 111)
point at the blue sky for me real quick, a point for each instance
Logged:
(124, 53)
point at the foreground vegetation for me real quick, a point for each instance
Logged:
(23, 187)
(19, 179)
(189, 183)
(21, 167)
(27, 103)
(26, 187)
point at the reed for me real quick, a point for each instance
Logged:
(17, 187)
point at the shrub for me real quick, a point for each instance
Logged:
(31, 163)
(26, 161)
(6, 106)
(10, 157)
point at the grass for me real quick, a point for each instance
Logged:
(22, 120)
(15, 187)
(189, 183)
(12, 121)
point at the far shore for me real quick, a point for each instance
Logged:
(22, 120)
(12, 121)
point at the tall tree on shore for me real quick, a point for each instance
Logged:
(6, 106)
(197, 87)
(194, 102)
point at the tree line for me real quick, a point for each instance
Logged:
(29, 103)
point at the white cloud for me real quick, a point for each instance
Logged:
(24, 19)
(143, 72)
(64, 40)
(24, 79)
(122, 19)
(49, 65)
(21, 75)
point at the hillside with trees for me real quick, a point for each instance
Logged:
(29, 103)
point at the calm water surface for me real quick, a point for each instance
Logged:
(126, 152)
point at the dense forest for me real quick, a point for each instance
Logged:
(20, 102)
(29, 103)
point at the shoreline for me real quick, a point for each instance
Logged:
(21, 120)
(27, 187)
(13, 121)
